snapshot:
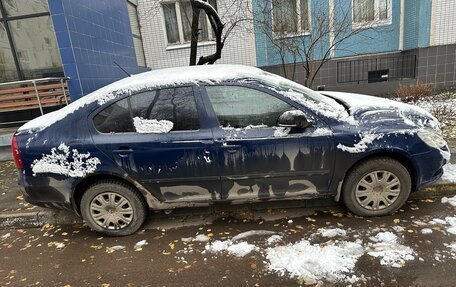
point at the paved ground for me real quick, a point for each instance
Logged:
(10, 196)
(76, 256)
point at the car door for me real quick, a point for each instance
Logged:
(260, 160)
(160, 138)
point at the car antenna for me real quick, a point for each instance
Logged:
(122, 69)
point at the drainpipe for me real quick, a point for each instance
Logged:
(331, 27)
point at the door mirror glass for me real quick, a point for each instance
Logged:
(294, 119)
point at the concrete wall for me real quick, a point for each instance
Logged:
(92, 35)
(239, 48)
(435, 66)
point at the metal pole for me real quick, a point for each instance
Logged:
(38, 97)
(64, 91)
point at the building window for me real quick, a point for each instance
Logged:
(290, 17)
(369, 11)
(28, 47)
(136, 32)
(177, 17)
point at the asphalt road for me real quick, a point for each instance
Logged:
(76, 256)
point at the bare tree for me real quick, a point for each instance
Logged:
(232, 19)
(217, 27)
(312, 39)
(233, 16)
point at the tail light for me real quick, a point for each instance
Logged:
(16, 154)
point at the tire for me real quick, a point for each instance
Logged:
(113, 208)
(370, 188)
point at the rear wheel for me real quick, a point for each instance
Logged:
(376, 187)
(113, 208)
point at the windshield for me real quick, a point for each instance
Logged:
(303, 95)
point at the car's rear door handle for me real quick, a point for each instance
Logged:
(231, 148)
(123, 152)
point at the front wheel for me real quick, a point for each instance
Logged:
(376, 187)
(113, 208)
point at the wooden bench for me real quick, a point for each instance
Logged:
(33, 94)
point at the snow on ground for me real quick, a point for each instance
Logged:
(61, 161)
(443, 103)
(451, 200)
(139, 245)
(385, 246)
(6, 236)
(451, 221)
(449, 173)
(426, 231)
(114, 248)
(365, 140)
(237, 249)
(202, 238)
(145, 126)
(332, 262)
(274, 239)
(251, 233)
(330, 233)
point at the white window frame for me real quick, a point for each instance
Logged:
(300, 31)
(182, 43)
(143, 54)
(376, 22)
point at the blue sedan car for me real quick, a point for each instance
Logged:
(223, 134)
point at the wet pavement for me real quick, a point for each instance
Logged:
(75, 256)
(11, 198)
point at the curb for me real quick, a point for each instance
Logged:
(38, 218)
(63, 217)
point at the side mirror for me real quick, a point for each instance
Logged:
(293, 119)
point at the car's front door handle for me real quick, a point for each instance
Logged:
(231, 146)
(123, 152)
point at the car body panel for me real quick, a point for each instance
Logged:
(213, 165)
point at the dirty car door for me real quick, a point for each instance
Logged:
(168, 149)
(260, 160)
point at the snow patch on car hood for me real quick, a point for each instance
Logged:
(369, 108)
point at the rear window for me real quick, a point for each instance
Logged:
(115, 118)
(176, 105)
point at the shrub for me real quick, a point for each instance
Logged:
(414, 93)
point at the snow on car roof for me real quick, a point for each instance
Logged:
(164, 77)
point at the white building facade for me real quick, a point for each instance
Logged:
(443, 25)
(165, 30)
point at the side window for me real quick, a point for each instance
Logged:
(176, 105)
(114, 119)
(141, 104)
(240, 107)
